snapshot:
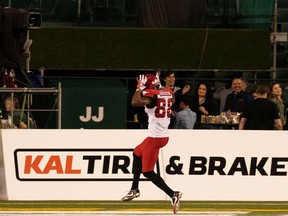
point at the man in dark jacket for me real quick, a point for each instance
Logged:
(236, 100)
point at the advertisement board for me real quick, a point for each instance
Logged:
(97, 165)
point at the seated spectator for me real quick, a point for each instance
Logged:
(185, 118)
(236, 100)
(261, 114)
(203, 103)
(20, 119)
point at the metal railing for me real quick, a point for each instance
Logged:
(29, 92)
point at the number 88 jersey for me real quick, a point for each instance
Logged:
(159, 111)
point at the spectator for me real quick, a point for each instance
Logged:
(277, 97)
(203, 103)
(285, 98)
(20, 119)
(261, 114)
(169, 78)
(185, 118)
(236, 100)
(253, 93)
(221, 95)
(244, 83)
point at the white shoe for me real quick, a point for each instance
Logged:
(175, 200)
(131, 195)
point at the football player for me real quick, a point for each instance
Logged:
(157, 103)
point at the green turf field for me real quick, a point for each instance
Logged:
(252, 208)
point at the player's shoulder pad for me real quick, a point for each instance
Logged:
(168, 90)
(149, 93)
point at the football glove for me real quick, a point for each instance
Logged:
(141, 81)
(158, 78)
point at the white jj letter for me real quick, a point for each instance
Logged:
(100, 115)
(89, 116)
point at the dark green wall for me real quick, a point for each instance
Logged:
(92, 104)
(136, 48)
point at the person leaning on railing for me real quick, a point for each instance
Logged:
(20, 119)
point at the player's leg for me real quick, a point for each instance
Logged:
(159, 182)
(149, 159)
(136, 169)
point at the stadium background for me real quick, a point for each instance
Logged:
(75, 48)
(98, 41)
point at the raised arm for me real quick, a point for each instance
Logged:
(137, 99)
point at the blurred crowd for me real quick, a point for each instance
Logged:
(193, 103)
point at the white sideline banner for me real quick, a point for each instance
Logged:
(97, 165)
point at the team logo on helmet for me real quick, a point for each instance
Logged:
(152, 81)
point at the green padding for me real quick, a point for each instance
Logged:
(80, 94)
(106, 48)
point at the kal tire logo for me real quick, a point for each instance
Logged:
(117, 165)
(74, 165)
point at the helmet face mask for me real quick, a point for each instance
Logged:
(152, 81)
